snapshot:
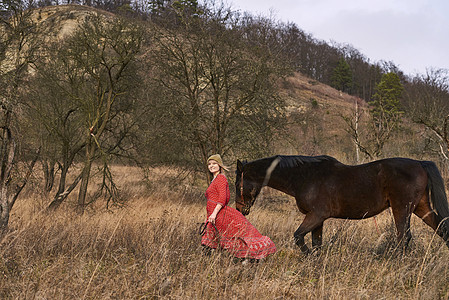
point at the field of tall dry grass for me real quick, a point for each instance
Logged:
(150, 249)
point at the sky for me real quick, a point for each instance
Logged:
(413, 34)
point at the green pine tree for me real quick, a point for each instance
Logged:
(342, 76)
(386, 101)
(386, 109)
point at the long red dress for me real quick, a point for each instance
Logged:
(235, 232)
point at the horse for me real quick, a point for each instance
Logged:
(326, 188)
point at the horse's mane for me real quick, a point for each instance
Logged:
(291, 161)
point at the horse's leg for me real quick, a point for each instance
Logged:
(310, 223)
(317, 237)
(425, 212)
(402, 221)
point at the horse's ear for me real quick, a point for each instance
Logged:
(239, 166)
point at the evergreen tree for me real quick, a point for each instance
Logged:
(385, 108)
(342, 76)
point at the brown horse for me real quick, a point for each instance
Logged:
(325, 188)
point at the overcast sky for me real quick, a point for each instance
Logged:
(414, 34)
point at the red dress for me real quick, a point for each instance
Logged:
(235, 232)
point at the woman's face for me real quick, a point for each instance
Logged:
(213, 166)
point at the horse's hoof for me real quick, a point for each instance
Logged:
(305, 250)
(316, 252)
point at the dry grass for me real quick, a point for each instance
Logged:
(151, 250)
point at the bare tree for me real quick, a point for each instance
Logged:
(56, 120)
(427, 102)
(18, 46)
(86, 82)
(215, 90)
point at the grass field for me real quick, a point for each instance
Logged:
(150, 249)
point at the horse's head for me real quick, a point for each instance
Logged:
(246, 189)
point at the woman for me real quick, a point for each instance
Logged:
(235, 232)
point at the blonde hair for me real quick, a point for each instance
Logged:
(218, 159)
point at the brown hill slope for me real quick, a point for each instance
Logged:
(300, 90)
(62, 20)
(316, 114)
(315, 110)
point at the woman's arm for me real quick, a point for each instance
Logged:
(221, 184)
(213, 215)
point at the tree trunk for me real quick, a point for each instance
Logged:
(48, 168)
(4, 208)
(83, 187)
(8, 151)
(90, 152)
(63, 193)
(356, 128)
(59, 197)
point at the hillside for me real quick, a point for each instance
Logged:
(299, 90)
(314, 109)
(60, 21)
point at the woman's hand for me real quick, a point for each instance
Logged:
(212, 218)
(213, 215)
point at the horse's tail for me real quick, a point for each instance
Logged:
(438, 198)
